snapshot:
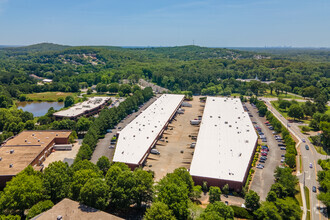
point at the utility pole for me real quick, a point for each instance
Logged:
(304, 179)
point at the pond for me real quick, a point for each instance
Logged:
(39, 108)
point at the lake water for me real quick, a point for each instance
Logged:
(39, 108)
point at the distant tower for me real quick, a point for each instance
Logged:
(256, 77)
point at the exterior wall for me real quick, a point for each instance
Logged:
(132, 166)
(4, 179)
(237, 186)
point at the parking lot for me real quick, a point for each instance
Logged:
(264, 178)
(102, 147)
(174, 147)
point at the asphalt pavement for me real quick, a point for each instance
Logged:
(309, 175)
(102, 147)
(264, 178)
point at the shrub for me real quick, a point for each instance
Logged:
(240, 212)
(39, 208)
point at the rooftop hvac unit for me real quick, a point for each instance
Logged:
(11, 151)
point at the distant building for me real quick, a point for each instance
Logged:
(90, 107)
(28, 148)
(225, 144)
(69, 209)
(47, 80)
(138, 137)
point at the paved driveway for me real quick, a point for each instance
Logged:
(264, 178)
(102, 148)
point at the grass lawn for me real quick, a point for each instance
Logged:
(49, 96)
(195, 210)
(285, 112)
(307, 203)
(282, 95)
(319, 149)
(300, 163)
(298, 195)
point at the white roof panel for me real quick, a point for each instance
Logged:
(137, 137)
(82, 107)
(225, 141)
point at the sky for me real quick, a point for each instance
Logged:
(211, 23)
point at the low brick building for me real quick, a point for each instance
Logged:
(28, 148)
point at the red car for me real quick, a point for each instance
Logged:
(263, 154)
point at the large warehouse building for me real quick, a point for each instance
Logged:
(225, 144)
(28, 148)
(87, 108)
(137, 138)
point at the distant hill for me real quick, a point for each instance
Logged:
(292, 53)
(42, 47)
(191, 52)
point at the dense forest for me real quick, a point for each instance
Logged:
(210, 71)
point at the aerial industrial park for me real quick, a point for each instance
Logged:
(165, 110)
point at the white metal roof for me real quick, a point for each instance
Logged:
(137, 137)
(82, 107)
(225, 141)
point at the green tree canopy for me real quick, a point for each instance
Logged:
(159, 211)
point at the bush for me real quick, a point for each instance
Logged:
(39, 208)
(60, 99)
(240, 212)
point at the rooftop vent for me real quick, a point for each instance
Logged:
(0, 158)
(38, 140)
(33, 134)
(25, 140)
(11, 165)
(246, 141)
(11, 151)
(59, 217)
(226, 122)
(56, 134)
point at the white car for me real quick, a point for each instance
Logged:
(310, 165)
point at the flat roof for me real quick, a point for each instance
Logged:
(225, 141)
(27, 146)
(137, 137)
(80, 108)
(73, 210)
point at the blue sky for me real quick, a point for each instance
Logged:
(213, 23)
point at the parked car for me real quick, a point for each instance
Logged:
(263, 154)
(264, 140)
(154, 151)
(282, 160)
(262, 161)
(263, 157)
(310, 165)
(314, 189)
(307, 148)
(281, 145)
(283, 148)
(260, 166)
